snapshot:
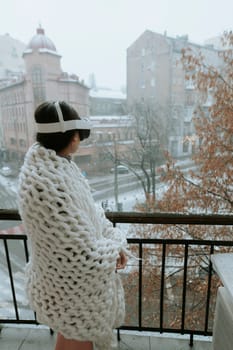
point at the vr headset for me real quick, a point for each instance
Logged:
(82, 125)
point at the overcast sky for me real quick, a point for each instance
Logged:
(92, 35)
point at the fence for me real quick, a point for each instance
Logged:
(188, 248)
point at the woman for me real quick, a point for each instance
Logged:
(72, 282)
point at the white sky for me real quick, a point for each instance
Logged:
(92, 35)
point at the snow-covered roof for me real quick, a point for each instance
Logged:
(109, 117)
(27, 51)
(41, 41)
(107, 93)
(42, 50)
(110, 121)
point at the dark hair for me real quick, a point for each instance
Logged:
(46, 113)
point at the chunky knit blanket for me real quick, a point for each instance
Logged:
(71, 281)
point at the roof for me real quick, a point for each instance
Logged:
(110, 121)
(41, 41)
(107, 93)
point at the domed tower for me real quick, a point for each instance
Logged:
(41, 41)
(43, 67)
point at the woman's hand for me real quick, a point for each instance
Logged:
(121, 261)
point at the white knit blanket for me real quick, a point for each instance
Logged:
(71, 279)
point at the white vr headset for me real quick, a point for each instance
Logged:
(63, 125)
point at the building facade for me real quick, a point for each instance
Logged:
(40, 79)
(107, 102)
(11, 60)
(110, 137)
(155, 77)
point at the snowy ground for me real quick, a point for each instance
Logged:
(132, 198)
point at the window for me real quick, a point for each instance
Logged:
(13, 141)
(143, 83)
(37, 75)
(152, 82)
(39, 93)
(189, 114)
(22, 143)
(186, 146)
(14, 52)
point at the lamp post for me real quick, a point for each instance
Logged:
(115, 173)
(112, 142)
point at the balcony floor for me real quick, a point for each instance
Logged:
(38, 337)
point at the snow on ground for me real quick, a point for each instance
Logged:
(130, 199)
(9, 183)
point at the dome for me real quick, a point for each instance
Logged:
(41, 41)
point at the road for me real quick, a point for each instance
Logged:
(129, 189)
(8, 192)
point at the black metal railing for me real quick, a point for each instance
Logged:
(176, 219)
(162, 321)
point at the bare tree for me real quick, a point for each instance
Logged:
(150, 128)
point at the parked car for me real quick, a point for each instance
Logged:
(6, 171)
(121, 169)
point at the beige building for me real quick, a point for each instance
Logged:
(155, 77)
(40, 79)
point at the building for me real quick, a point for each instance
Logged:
(40, 78)
(11, 65)
(155, 77)
(217, 43)
(105, 101)
(111, 136)
(11, 60)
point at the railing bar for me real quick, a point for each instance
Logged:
(191, 340)
(152, 218)
(162, 286)
(12, 236)
(178, 241)
(169, 218)
(21, 321)
(9, 215)
(11, 278)
(118, 334)
(140, 288)
(148, 240)
(184, 287)
(209, 289)
(26, 249)
(166, 330)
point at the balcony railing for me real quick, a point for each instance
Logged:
(172, 283)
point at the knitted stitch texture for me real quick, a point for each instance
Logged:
(71, 281)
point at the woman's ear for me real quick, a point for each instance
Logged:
(75, 141)
(76, 138)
